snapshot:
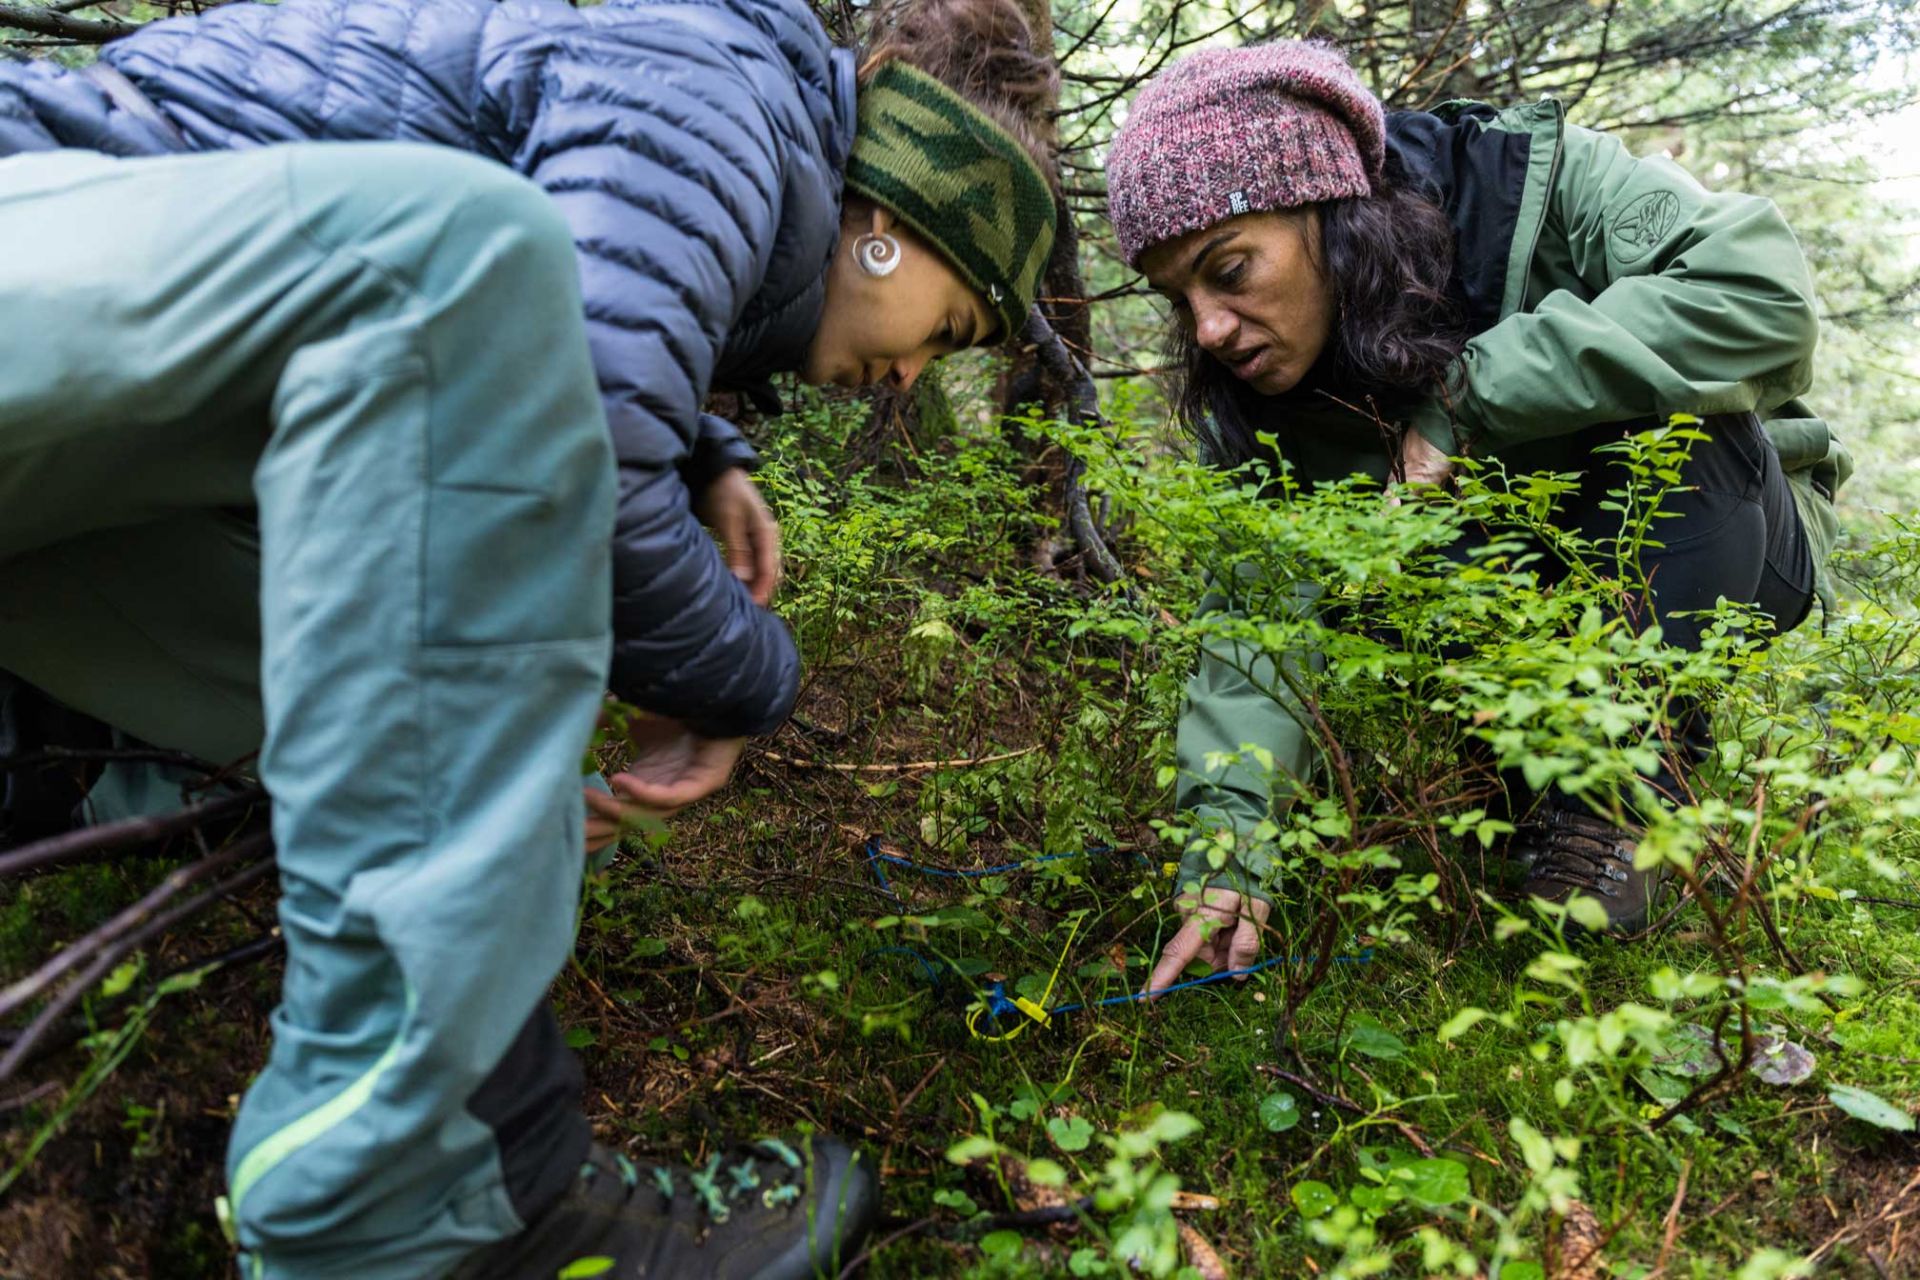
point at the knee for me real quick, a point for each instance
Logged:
(427, 212)
(484, 207)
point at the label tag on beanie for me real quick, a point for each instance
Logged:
(1237, 201)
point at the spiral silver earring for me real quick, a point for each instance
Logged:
(877, 253)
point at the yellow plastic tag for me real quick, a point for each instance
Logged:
(1032, 1010)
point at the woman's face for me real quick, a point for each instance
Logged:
(887, 328)
(1251, 292)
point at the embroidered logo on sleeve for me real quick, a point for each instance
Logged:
(1642, 225)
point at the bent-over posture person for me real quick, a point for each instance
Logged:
(1501, 283)
(384, 457)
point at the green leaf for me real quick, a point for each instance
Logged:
(122, 977)
(1171, 1126)
(958, 1201)
(1587, 913)
(581, 1268)
(1434, 1183)
(1534, 1147)
(1523, 1271)
(1373, 1201)
(1369, 1037)
(1279, 1112)
(1314, 1199)
(1870, 1107)
(1046, 1173)
(1461, 1022)
(1070, 1133)
(1000, 1244)
(647, 948)
(976, 1147)
(580, 1038)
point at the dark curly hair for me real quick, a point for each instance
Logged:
(1398, 324)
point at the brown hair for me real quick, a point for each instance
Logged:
(984, 51)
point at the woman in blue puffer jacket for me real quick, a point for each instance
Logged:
(368, 455)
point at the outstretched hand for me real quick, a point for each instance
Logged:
(672, 767)
(733, 508)
(1221, 927)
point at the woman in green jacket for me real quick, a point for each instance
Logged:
(1496, 283)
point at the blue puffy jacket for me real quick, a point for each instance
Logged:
(696, 148)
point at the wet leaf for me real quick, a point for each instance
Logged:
(1314, 1199)
(1690, 1051)
(1779, 1061)
(1870, 1107)
(1279, 1112)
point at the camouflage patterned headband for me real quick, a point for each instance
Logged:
(959, 180)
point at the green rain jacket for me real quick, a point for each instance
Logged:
(1602, 288)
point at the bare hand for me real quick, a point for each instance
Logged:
(737, 514)
(1216, 928)
(1419, 463)
(605, 819)
(673, 767)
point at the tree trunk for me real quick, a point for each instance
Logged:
(1050, 474)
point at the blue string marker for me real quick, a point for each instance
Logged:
(995, 1003)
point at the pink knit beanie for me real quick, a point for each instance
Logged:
(1231, 131)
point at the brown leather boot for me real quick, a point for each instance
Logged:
(1562, 851)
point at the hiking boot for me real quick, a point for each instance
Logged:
(761, 1210)
(1563, 852)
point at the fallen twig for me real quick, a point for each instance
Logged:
(1347, 1105)
(76, 1026)
(93, 843)
(120, 949)
(27, 988)
(49, 22)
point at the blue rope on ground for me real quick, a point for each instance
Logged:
(995, 1001)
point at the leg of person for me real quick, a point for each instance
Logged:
(38, 801)
(320, 329)
(153, 629)
(157, 627)
(1735, 535)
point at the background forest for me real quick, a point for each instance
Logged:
(995, 590)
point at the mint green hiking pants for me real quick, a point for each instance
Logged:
(374, 354)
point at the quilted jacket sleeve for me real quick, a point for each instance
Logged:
(661, 157)
(720, 447)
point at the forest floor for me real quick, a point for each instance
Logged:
(754, 974)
